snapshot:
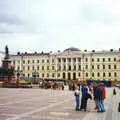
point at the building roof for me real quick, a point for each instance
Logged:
(71, 49)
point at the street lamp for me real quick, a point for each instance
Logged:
(34, 76)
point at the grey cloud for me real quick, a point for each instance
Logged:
(10, 19)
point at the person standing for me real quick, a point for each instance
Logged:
(84, 91)
(77, 99)
(99, 98)
(103, 96)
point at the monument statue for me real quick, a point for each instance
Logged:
(6, 52)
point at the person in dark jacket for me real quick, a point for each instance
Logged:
(84, 99)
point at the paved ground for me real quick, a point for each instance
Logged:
(37, 104)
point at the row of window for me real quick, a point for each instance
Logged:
(68, 60)
(69, 67)
(79, 74)
(86, 59)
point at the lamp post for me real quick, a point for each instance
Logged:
(34, 77)
(18, 77)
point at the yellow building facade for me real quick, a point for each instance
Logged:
(69, 64)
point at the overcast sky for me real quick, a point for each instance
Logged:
(51, 25)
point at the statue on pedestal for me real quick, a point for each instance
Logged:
(6, 52)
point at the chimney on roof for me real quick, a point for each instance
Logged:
(18, 53)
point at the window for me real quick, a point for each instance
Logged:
(86, 59)
(53, 67)
(92, 66)
(32, 61)
(58, 74)
(37, 67)
(43, 75)
(109, 66)
(103, 66)
(109, 74)
(98, 66)
(92, 59)
(79, 74)
(103, 74)
(37, 61)
(79, 67)
(74, 68)
(52, 60)
(86, 66)
(64, 60)
(33, 68)
(28, 75)
(28, 61)
(13, 62)
(79, 59)
(115, 74)
(69, 59)
(59, 60)
(74, 59)
(64, 68)
(69, 67)
(23, 61)
(47, 74)
(18, 68)
(103, 59)
(115, 67)
(42, 67)
(92, 74)
(98, 59)
(42, 61)
(115, 59)
(86, 74)
(28, 68)
(109, 59)
(23, 67)
(98, 74)
(59, 68)
(47, 67)
(47, 61)
(53, 75)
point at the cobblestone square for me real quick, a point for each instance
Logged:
(40, 104)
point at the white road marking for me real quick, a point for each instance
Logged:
(30, 99)
(38, 110)
(59, 113)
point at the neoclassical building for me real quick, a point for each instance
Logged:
(2, 55)
(70, 64)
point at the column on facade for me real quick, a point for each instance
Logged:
(71, 68)
(66, 71)
(77, 68)
(56, 68)
(83, 66)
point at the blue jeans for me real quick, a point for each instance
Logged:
(77, 98)
(100, 105)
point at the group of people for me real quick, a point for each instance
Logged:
(51, 85)
(95, 91)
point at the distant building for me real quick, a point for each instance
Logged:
(2, 55)
(70, 64)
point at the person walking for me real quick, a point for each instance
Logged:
(77, 99)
